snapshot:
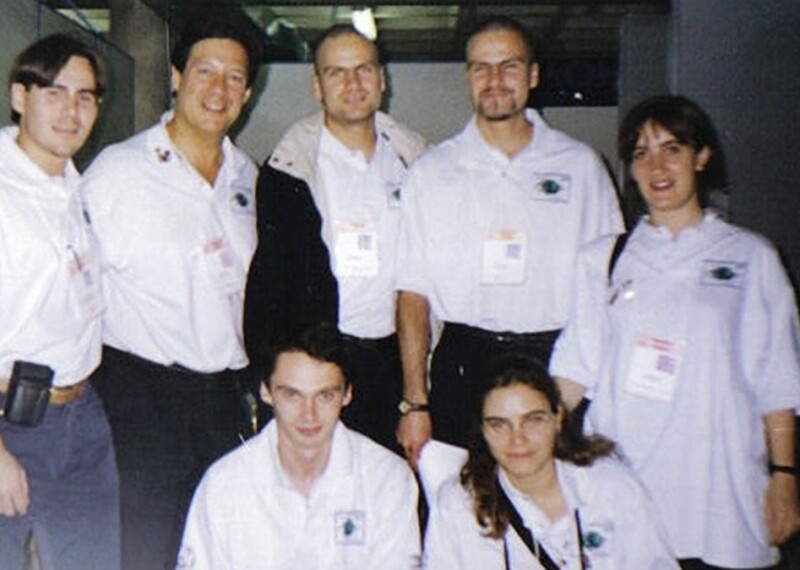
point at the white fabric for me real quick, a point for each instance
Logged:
(462, 189)
(438, 462)
(247, 515)
(721, 292)
(44, 244)
(160, 226)
(611, 504)
(360, 191)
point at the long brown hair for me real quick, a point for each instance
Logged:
(479, 474)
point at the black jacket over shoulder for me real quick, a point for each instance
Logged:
(291, 285)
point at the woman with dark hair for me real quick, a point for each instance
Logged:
(534, 493)
(688, 346)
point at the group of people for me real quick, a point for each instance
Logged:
(376, 294)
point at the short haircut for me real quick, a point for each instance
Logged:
(690, 126)
(233, 27)
(503, 24)
(338, 31)
(43, 60)
(322, 342)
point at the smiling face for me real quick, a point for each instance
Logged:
(56, 120)
(307, 397)
(520, 429)
(665, 170)
(212, 88)
(499, 74)
(348, 80)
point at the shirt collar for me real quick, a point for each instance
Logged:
(340, 463)
(161, 149)
(18, 162)
(480, 150)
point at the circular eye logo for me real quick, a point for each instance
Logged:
(723, 273)
(550, 187)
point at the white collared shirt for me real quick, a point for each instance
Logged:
(555, 195)
(50, 302)
(365, 195)
(716, 303)
(175, 250)
(361, 514)
(618, 526)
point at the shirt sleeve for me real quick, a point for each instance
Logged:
(578, 352)
(397, 541)
(201, 547)
(443, 542)
(601, 213)
(769, 334)
(411, 262)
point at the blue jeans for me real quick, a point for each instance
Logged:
(74, 489)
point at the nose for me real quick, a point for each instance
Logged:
(309, 409)
(217, 82)
(518, 435)
(351, 77)
(495, 74)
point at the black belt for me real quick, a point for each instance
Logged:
(370, 343)
(178, 370)
(503, 337)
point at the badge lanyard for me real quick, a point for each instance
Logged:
(529, 539)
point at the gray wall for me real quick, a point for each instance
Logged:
(739, 60)
(22, 22)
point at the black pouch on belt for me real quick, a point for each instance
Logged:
(28, 393)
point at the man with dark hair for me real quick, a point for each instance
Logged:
(173, 210)
(309, 493)
(492, 221)
(328, 214)
(58, 478)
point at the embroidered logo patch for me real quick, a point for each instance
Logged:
(350, 527)
(722, 273)
(551, 187)
(597, 539)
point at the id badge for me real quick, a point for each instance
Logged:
(504, 256)
(221, 263)
(356, 250)
(654, 368)
(86, 278)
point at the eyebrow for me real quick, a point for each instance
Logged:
(527, 414)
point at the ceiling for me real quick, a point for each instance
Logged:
(411, 30)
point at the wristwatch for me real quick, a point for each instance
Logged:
(407, 407)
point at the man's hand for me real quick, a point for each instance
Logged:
(781, 508)
(14, 497)
(413, 432)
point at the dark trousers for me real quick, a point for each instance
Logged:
(460, 361)
(169, 425)
(73, 488)
(377, 388)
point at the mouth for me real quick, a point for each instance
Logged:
(309, 431)
(661, 185)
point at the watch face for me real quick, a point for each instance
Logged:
(404, 407)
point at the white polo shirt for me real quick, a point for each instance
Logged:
(492, 241)
(618, 526)
(359, 202)
(50, 301)
(361, 513)
(175, 250)
(695, 341)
